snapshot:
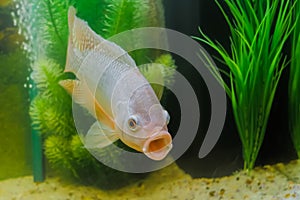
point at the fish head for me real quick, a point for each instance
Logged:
(144, 125)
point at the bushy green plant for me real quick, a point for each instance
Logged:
(259, 30)
(294, 84)
(44, 23)
(164, 67)
(47, 111)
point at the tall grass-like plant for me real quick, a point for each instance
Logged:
(259, 30)
(294, 84)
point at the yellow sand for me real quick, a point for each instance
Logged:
(276, 182)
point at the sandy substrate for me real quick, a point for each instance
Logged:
(277, 182)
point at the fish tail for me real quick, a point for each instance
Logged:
(72, 62)
(71, 17)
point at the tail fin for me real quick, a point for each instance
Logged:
(71, 65)
(81, 40)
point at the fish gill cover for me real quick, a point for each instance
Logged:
(44, 24)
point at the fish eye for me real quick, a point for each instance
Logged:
(133, 123)
(167, 116)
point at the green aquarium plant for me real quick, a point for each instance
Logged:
(294, 83)
(45, 26)
(259, 31)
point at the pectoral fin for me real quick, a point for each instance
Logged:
(100, 136)
(83, 96)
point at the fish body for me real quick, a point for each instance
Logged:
(110, 86)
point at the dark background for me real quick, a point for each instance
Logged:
(226, 157)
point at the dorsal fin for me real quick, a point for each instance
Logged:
(83, 40)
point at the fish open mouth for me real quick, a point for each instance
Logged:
(158, 146)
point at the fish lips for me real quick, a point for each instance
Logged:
(158, 146)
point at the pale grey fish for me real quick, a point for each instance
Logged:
(112, 89)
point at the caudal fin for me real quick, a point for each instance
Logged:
(81, 40)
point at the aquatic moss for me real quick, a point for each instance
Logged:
(169, 67)
(57, 149)
(294, 83)
(162, 74)
(259, 31)
(49, 118)
(75, 162)
(46, 75)
(80, 154)
(48, 113)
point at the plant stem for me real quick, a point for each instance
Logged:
(49, 6)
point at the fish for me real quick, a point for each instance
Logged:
(112, 89)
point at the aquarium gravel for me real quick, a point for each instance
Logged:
(276, 182)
